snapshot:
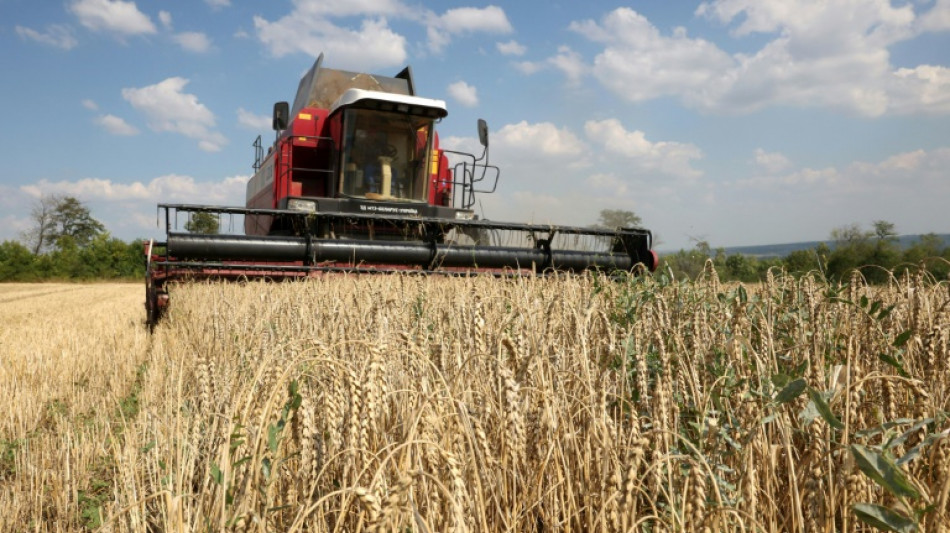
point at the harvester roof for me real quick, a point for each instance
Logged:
(383, 101)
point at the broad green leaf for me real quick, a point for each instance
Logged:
(870, 432)
(822, 406)
(791, 391)
(883, 518)
(272, 432)
(265, 467)
(780, 380)
(883, 471)
(902, 339)
(898, 441)
(894, 363)
(216, 474)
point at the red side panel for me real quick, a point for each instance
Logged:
(305, 157)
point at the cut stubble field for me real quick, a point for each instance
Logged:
(404, 403)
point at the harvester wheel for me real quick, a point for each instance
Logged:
(154, 308)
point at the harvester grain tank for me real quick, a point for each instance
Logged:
(356, 180)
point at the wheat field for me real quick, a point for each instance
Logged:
(405, 403)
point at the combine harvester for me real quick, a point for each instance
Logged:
(356, 182)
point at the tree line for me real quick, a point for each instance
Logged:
(65, 242)
(875, 252)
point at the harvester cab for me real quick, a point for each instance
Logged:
(356, 180)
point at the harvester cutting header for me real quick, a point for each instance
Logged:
(356, 181)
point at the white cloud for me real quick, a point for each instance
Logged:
(770, 162)
(464, 93)
(166, 19)
(463, 20)
(528, 67)
(115, 16)
(373, 45)
(253, 121)
(218, 4)
(816, 54)
(490, 19)
(639, 63)
(543, 138)
(90, 105)
(128, 209)
(170, 109)
(570, 63)
(937, 18)
(167, 188)
(671, 158)
(56, 35)
(193, 41)
(116, 125)
(511, 48)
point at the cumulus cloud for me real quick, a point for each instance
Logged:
(511, 48)
(166, 19)
(218, 4)
(193, 41)
(128, 209)
(168, 108)
(113, 16)
(462, 20)
(56, 35)
(543, 138)
(253, 121)
(116, 125)
(464, 93)
(310, 28)
(770, 162)
(668, 157)
(170, 187)
(570, 63)
(90, 105)
(639, 63)
(528, 67)
(373, 45)
(327, 25)
(827, 54)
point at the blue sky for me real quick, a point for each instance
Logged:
(735, 121)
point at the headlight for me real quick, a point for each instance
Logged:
(464, 215)
(297, 204)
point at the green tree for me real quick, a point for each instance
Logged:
(16, 262)
(202, 222)
(73, 219)
(802, 261)
(884, 230)
(56, 217)
(40, 236)
(618, 218)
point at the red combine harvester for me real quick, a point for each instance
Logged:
(356, 181)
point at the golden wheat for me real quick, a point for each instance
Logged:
(349, 403)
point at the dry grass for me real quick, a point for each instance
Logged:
(385, 403)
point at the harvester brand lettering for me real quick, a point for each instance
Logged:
(389, 209)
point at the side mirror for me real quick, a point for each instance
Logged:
(483, 132)
(281, 116)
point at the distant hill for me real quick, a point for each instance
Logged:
(782, 250)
